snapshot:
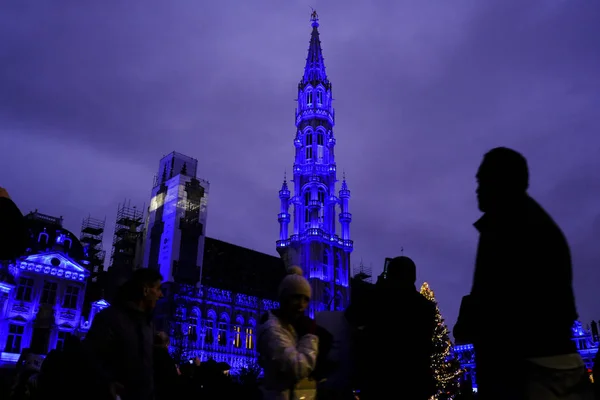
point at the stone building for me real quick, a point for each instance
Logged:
(42, 292)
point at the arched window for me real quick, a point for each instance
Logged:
(250, 337)
(192, 325)
(308, 143)
(319, 97)
(43, 238)
(306, 209)
(309, 98)
(67, 243)
(209, 328)
(222, 334)
(320, 146)
(237, 332)
(321, 199)
(338, 269)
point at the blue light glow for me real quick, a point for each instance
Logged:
(586, 347)
(318, 239)
(5, 287)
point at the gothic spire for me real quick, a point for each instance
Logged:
(314, 71)
(285, 191)
(344, 184)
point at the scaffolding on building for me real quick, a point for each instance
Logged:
(363, 273)
(92, 235)
(128, 231)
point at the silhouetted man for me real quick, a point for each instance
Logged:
(522, 283)
(398, 338)
(166, 373)
(120, 343)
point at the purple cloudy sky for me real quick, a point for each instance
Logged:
(92, 95)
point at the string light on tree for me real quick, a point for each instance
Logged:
(445, 365)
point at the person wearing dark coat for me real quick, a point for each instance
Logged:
(13, 233)
(119, 346)
(166, 374)
(522, 281)
(397, 339)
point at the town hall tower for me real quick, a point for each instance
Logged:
(319, 221)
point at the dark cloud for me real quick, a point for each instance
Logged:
(93, 95)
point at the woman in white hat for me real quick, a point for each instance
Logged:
(287, 340)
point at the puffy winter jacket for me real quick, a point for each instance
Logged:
(285, 358)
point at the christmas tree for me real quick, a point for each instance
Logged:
(444, 363)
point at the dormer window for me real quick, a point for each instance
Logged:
(43, 239)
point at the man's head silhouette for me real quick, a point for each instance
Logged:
(402, 270)
(503, 176)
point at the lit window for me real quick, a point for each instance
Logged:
(249, 338)
(237, 336)
(222, 334)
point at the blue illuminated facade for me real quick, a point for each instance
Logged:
(319, 221)
(587, 346)
(42, 293)
(212, 324)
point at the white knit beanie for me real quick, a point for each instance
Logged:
(294, 283)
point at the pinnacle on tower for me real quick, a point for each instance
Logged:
(315, 64)
(284, 193)
(344, 191)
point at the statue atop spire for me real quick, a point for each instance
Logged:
(314, 71)
(314, 18)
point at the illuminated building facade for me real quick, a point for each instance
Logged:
(216, 292)
(218, 320)
(42, 292)
(176, 223)
(586, 340)
(319, 240)
(215, 319)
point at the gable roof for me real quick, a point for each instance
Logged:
(54, 263)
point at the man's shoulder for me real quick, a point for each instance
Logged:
(109, 314)
(543, 226)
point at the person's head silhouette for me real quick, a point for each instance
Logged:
(503, 177)
(402, 270)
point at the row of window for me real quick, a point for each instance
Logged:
(308, 146)
(309, 97)
(14, 340)
(221, 337)
(49, 291)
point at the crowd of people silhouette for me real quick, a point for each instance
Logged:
(522, 279)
